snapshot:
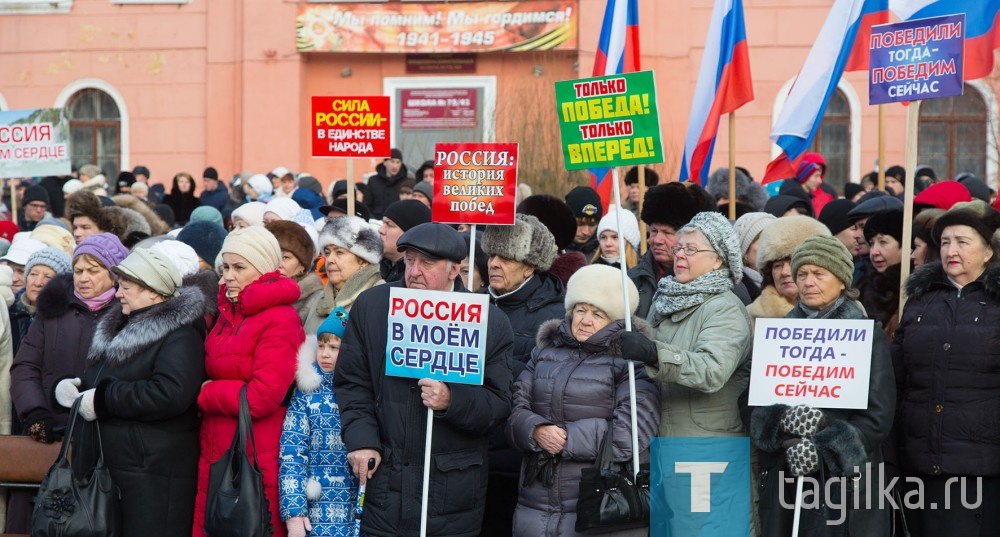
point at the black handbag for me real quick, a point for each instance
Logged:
(67, 505)
(237, 505)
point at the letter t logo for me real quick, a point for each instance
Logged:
(701, 482)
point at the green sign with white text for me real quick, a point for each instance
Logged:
(609, 121)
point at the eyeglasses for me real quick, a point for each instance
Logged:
(688, 250)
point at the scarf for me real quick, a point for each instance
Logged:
(672, 296)
(823, 313)
(98, 301)
(365, 278)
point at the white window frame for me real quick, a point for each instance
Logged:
(124, 142)
(34, 7)
(992, 154)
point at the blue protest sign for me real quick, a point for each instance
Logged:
(917, 59)
(436, 335)
(699, 487)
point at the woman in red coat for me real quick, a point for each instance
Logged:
(253, 344)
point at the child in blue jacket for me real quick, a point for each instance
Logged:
(316, 486)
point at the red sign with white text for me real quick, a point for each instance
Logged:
(474, 183)
(350, 126)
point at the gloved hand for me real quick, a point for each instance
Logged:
(39, 424)
(298, 526)
(638, 347)
(67, 391)
(802, 420)
(802, 457)
(87, 411)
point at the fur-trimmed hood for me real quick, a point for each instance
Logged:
(928, 276)
(308, 376)
(118, 338)
(556, 333)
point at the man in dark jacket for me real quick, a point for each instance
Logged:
(586, 206)
(34, 205)
(215, 193)
(519, 257)
(383, 187)
(384, 417)
(399, 218)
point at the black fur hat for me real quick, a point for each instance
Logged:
(554, 214)
(673, 204)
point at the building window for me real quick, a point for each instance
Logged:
(833, 140)
(952, 135)
(95, 128)
(33, 7)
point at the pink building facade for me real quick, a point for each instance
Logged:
(181, 85)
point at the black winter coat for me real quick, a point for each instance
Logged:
(20, 320)
(540, 299)
(147, 369)
(183, 204)
(850, 438)
(947, 358)
(54, 348)
(382, 190)
(386, 414)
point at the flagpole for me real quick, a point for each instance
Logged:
(628, 318)
(912, 130)
(881, 150)
(732, 165)
(642, 197)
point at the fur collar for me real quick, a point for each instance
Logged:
(118, 338)
(57, 297)
(208, 282)
(927, 277)
(308, 375)
(769, 305)
(556, 333)
(848, 309)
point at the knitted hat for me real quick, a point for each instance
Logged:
(898, 172)
(206, 213)
(585, 202)
(943, 195)
(7, 229)
(886, 223)
(555, 214)
(151, 269)
(976, 187)
(395, 153)
(107, 248)
(183, 256)
(722, 238)
(284, 208)
(834, 215)
(205, 238)
(629, 224)
(125, 180)
(21, 249)
(981, 217)
(924, 170)
(252, 213)
(425, 189)
(748, 228)
(672, 204)
(780, 238)
(295, 240)
(805, 171)
(256, 245)
(852, 189)
(601, 287)
(354, 235)
(55, 236)
(527, 241)
(827, 252)
(35, 193)
(335, 323)
(261, 184)
(311, 184)
(51, 257)
(210, 173)
(407, 213)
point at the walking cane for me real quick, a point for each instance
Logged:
(359, 508)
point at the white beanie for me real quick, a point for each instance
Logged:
(182, 255)
(630, 225)
(601, 287)
(284, 208)
(252, 213)
(261, 184)
(255, 244)
(748, 228)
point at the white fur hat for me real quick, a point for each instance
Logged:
(601, 287)
(354, 235)
(182, 255)
(630, 226)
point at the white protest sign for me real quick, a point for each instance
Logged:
(437, 335)
(825, 363)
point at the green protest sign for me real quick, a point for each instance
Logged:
(609, 121)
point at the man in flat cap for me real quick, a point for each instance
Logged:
(384, 417)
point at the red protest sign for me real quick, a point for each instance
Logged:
(474, 183)
(350, 126)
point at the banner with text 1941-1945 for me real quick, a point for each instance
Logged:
(34, 142)
(609, 121)
(474, 183)
(350, 126)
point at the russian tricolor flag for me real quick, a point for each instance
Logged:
(617, 52)
(981, 35)
(724, 84)
(840, 39)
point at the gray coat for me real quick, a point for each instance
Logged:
(579, 387)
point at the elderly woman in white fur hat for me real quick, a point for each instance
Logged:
(574, 388)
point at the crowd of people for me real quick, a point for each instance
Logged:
(154, 310)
